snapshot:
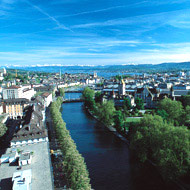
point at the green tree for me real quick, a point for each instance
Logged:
(163, 114)
(106, 112)
(98, 97)
(127, 104)
(119, 120)
(62, 92)
(185, 100)
(3, 129)
(187, 116)
(174, 109)
(139, 103)
(118, 77)
(173, 154)
(74, 167)
(88, 97)
(9, 76)
(167, 146)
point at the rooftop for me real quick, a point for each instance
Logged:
(13, 87)
(21, 180)
(45, 94)
(40, 167)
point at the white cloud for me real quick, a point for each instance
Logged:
(178, 18)
(65, 56)
(60, 25)
(94, 11)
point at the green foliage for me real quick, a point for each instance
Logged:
(187, 116)
(174, 109)
(167, 146)
(127, 104)
(88, 97)
(118, 77)
(119, 120)
(53, 94)
(106, 112)
(139, 103)
(98, 97)
(38, 80)
(62, 92)
(9, 76)
(185, 100)
(74, 166)
(99, 84)
(3, 129)
(23, 78)
(163, 114)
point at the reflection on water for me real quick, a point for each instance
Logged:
(108, 158)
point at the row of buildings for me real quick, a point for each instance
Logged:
(150, 88)
(16, 98)
(27, 161)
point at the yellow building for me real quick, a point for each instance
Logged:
(15, 107)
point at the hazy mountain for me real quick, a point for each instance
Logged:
(112, 68)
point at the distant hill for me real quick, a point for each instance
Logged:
(112, 68)
(153, 67)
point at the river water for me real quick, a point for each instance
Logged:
(107, 157)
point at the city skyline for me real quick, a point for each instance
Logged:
(86, 32)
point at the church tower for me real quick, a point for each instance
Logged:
(122, 88)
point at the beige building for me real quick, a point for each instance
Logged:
(15, 107)
(47, 97)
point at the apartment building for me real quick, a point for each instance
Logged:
(15, 107)
(15, 92)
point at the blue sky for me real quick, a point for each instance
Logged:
(89, 32)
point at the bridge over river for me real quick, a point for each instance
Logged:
(109, 161)
(72, 100)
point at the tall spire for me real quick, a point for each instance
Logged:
(60, 74)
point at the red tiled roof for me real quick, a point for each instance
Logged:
(13, 87)
(45, 94)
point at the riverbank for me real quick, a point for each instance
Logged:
(74, 166)
(178, 183)
(110, 128)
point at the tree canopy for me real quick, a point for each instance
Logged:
(174, 109)
(139, 103)
(62, 92)
(106, 112)
(75, 169)
(3, 129)
(88, 97)
(167, 146)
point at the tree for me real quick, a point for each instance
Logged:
(172, 156)
(174, 109)
(88, 97)
(163, 114)
(98, 97)
(119, 120)
(118, 77)
(106, 112)
(139, 103)
(127, 104)
(167, 146)
(75, 169)
(3, 129)
(185, 100)
(9, 76)
(187, 116)
(62, 92)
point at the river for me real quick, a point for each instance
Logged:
(107, 157)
